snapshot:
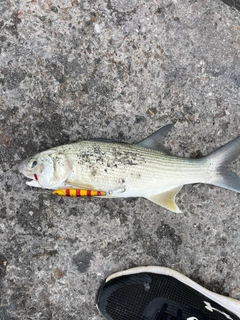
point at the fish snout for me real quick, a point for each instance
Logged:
(22, 167)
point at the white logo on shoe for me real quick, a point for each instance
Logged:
(210, 308)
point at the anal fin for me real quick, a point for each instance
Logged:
(167, 199)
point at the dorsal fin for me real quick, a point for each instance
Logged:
(155, 140)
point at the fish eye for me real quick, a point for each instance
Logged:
(33, 163)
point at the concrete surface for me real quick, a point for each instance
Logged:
(118, 69)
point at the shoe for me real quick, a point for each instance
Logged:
(157, 293)
(233, 3)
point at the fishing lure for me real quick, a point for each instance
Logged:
(79, 193)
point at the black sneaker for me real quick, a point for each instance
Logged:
(156, 293)
(233, 3)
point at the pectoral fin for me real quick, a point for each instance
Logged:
(167, 199)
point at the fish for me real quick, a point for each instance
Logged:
(78, 193)
(119, 169)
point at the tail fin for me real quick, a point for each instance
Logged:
(220, 159)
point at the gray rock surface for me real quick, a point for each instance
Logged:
(72, 70)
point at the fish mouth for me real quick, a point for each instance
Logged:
(22, 168)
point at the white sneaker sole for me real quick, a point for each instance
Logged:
(228, 303)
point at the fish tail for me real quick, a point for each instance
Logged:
(220, 159)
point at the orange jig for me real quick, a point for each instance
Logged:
(79, 193)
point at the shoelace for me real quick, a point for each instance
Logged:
(162, 315)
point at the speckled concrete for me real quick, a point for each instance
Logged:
(120, 69)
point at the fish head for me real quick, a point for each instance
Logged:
(46, 169)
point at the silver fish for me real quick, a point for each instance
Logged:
(130, 170)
